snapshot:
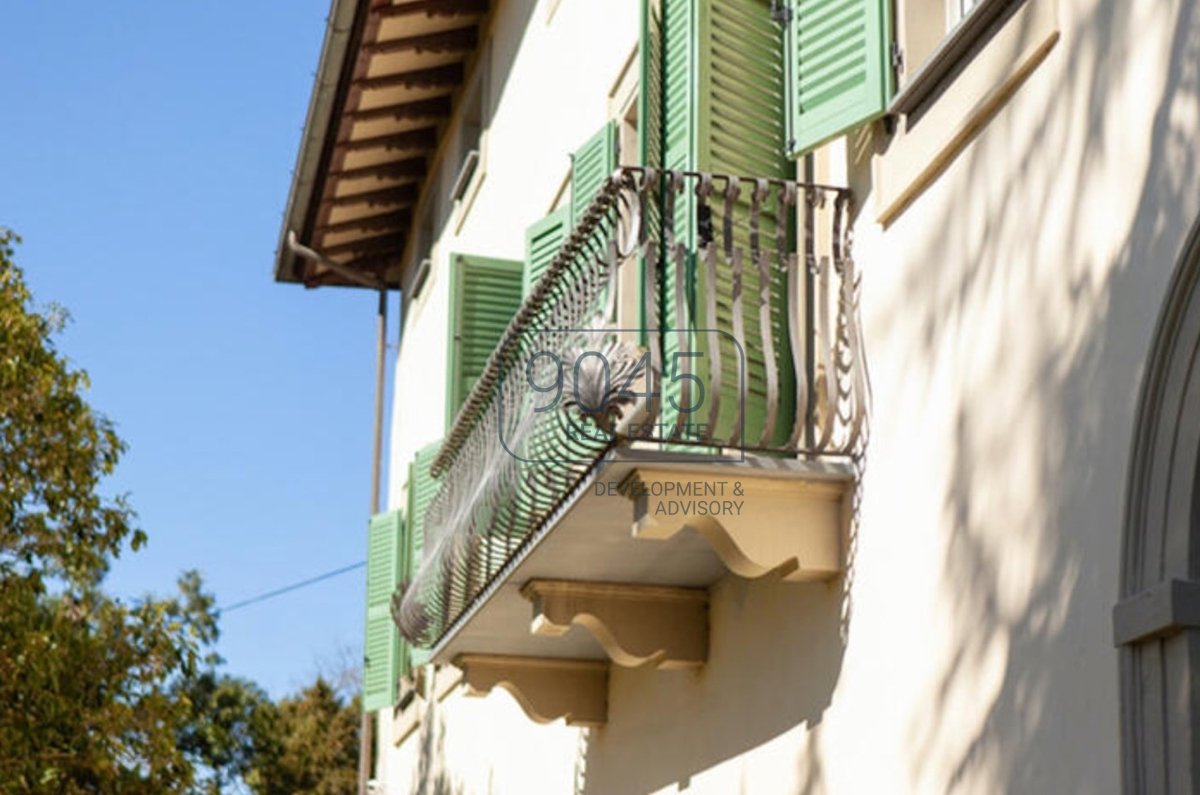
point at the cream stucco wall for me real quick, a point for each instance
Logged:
(552, 67)
(549, 85)
(1007, 312)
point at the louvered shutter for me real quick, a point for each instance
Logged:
(649, 127)
(543, 239)
(421, 489)
(485, 294)
(381, 645)
(680, 131)
(839, 71)
(591, 164)
(718, 68)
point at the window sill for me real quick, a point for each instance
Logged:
(953, 49)
(463, 203)
(958, 100)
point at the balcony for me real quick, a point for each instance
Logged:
(700, 336)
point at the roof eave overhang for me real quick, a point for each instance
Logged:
(342, 35)
(388, 80)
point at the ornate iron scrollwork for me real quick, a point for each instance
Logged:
(508, 464)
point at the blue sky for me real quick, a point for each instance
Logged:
(145, 157)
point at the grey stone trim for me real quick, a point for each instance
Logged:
(1163, 609)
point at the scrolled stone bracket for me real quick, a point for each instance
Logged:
(790, 528)
(547, 688)
(635, 624)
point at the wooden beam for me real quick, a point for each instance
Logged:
(456, 40)
(388, 221)
(433, 108)
(368, 245)
(387, 197)
(450, 74)
(433, 8)
(411, 140)
(399, 169)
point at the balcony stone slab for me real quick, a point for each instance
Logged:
(612, 545)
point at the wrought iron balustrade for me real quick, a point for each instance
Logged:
(764, 265)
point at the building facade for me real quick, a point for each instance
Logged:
(792, 397)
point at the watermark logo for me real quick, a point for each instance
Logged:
(576, 392)
(679, 498)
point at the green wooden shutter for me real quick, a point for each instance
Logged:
(718, 68)
(381, 645)
(649, 127)
(840, 75)
(422, 488)
(485, 294)
(591, 164)
(543, 240)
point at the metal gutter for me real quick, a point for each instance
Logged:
(306, 253)
(344, 26)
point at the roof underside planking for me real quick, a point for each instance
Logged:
(385, 88)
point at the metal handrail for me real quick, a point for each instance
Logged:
(504, 468)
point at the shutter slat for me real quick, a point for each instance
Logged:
(486, 294)
(591, 164)
(422, 488)
(381, 642)
(723, 81)
(543, 240)
(841, 74)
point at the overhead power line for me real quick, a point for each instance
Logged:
(262, 597)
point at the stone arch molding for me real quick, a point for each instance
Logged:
(1156, 623)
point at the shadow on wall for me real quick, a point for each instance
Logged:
(775, 653)
(432, 778)
(1034, 304)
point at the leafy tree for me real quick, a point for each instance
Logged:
(86, 703)
(315, 746)
(232, 724)
(100, 696)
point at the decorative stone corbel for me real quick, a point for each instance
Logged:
(635, 624)
(546, 688)
(756, 525)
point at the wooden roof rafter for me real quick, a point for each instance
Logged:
(432, 8)
(390, 74)
(402, 195)
(446, 75)
(398, 169)
(393, 220)
(456, 40)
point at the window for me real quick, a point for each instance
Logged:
(716, 103)
(839, 69)
(933, 37)
(419, 256)
(468, 155)
(467, 145)
(955, 77)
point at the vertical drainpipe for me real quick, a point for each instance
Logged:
(293, 244)
(366, 729)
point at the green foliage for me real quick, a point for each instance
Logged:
(55, 450)
(85, 698)
(314, 749)
(83, 701)
(231, 724)
(96, 695)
